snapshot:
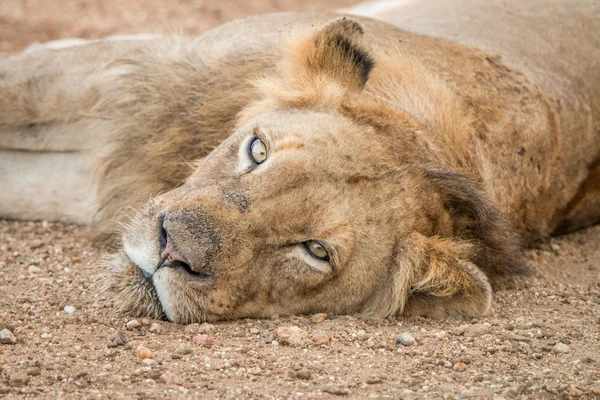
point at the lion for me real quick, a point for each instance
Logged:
(296, 163)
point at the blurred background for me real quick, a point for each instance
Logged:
(28, 21)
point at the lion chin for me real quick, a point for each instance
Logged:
(131, 291)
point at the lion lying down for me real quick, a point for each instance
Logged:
(301, 163)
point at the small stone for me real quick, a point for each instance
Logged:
(133, 324)
(560, 348)
(205, 329)
(154, 328)
(555, 248)
(33, 269)
(7, 337)
(405, 339)
(459, 366)
(320, 338)
(318, 318)
(18, 379)
(69, 309)
(336, 391)
(144, 353)
(192, 328)
(360, 335)
(170, 378)
(36, 244)
(291, 336)
(148, 362)
(302, 374)
(81, 374)
(118, 339)
(183, 350)
(474, 331)
(574, 392)
(203, 340)
(150, 382)
(35, 371)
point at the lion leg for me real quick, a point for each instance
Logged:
(48, 97)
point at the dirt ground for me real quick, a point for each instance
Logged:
(541, 340)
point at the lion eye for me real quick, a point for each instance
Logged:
(258, 151)
(317, 249)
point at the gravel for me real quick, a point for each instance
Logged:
(144, 353)
(70, 309)
(561, 348)
(18, 379)
(405, 339)
(318, 318)
(291, 336)
(7, 337)
(203, 340)
(133, 324)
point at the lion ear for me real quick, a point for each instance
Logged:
(335, 53)
(432, 277)
(446, 282)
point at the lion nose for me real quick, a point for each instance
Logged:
(170, 257)
(169, 254)
(188, 241)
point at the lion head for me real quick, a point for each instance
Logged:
(326, 198)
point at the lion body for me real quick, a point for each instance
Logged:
(97, 128)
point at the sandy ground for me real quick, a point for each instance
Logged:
(542, 339)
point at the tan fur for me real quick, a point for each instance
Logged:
(422, 165)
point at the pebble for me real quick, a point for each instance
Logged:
(133, 324)
(69, 309)
(81, 374)
(318, 318)
(459, 366)
(560, 348)
(18, 379)
(7, 337)
(405, 339)
(205, 329)
(144, 353)
(170, 378)
(574, 392)
(118, 339)
(192, 328)
(291, 336)
(319, 338)
(336, 391)
(360, 335)
(183, 350)
(33, 269)
(301, 374)
(36, 244)
(474, 331)
(203, 340)
(154, 328)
